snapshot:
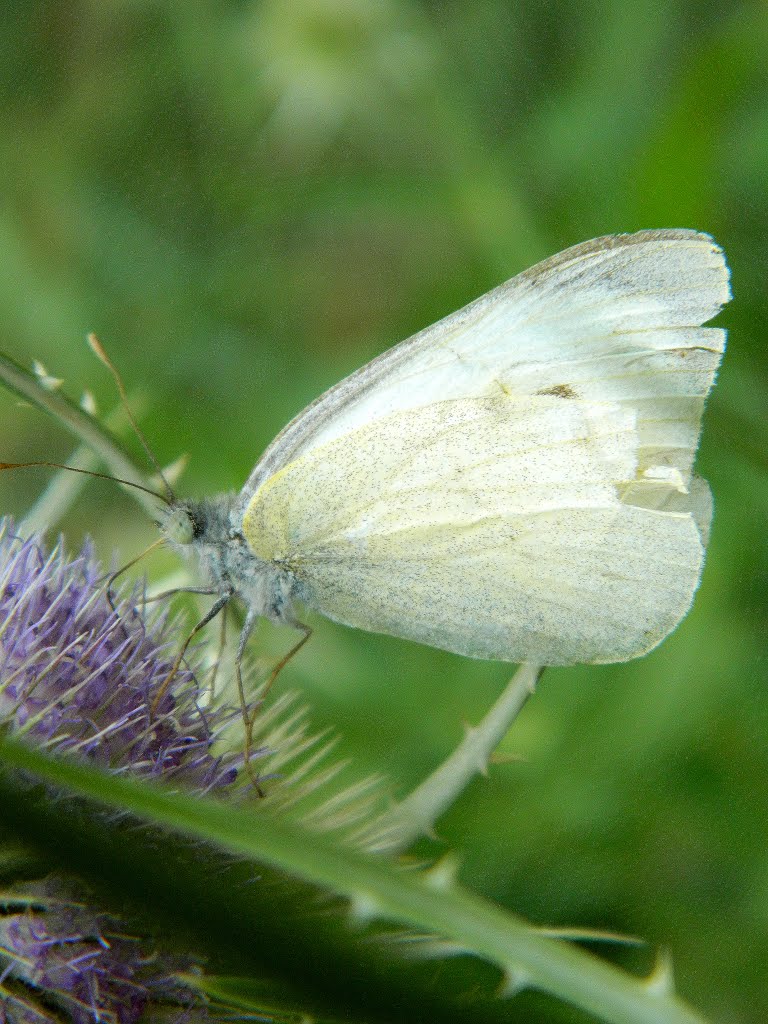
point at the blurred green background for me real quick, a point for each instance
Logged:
(247, 201)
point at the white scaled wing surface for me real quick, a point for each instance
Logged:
(515, 482)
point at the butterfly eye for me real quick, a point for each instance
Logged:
(179, 527)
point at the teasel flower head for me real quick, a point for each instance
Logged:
(81, 677)
(66, 961)
(80, 674)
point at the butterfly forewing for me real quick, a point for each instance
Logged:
(515, 481)
(614, 319)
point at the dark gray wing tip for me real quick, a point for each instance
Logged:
(702, 241)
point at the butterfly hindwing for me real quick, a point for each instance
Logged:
(490, 527)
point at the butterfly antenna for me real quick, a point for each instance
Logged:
(88, 472)
(98, 350)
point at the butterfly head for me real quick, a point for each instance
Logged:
(198, 523)
(207, 531)
(179, 526)
(203, 530)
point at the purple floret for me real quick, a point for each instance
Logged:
(66, 953)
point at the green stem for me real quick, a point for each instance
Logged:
(416, 815)
(378, 890)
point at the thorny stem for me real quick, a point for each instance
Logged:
(416, 815)
(378, 890)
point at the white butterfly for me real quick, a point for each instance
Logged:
(513, 483)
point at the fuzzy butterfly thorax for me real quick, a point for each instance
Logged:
(208, 531)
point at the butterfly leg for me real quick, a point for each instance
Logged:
(211, 614)
(219, 652)
(206, 592)
(249, 718)
(307, 631)
(251, 618)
